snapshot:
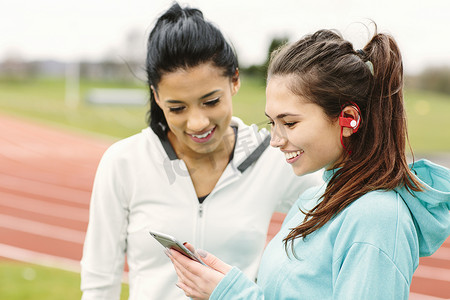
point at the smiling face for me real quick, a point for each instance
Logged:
(300, 128)
(197, 105)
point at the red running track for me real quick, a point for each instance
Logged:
(46, 175)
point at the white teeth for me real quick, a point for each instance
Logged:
(202, 135)
(290, 155)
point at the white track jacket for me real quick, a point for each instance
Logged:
(141, 185)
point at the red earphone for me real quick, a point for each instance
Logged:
(349, 122)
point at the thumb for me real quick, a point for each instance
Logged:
(213, 261)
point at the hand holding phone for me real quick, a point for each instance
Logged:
(170, 242)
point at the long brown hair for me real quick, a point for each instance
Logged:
(330, 73)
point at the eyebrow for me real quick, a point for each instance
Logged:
(281, 116)
(201, 98)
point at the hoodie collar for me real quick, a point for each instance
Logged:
(327, 174)
(430, 207)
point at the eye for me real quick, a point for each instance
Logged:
(176, 109)
(290, 124)
(212, 102)
(271, 123)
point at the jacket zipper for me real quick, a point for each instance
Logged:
(199, 227)
(200, 210)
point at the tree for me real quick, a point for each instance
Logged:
(261, 69)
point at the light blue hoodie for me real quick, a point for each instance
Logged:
(368, 251)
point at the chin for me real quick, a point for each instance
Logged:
(299, 172)
(206, 148)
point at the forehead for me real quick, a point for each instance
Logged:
(279, 95)
(281, 101)
(192, 82)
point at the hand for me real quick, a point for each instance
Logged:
(196, 280)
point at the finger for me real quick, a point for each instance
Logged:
(190, 247)
(186, 280)
(192, 266)
(182, 273)
(188, 291)
(193, 293)
(212, 261)
(185, 267)
(209, 259)
(201, 280)
(192, 289)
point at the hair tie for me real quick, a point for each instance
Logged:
(368, 63)
(370, 66)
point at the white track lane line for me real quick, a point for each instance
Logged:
(433, 273)
(45, 189)
(44, 207)
(46, 260)
(416, 296)
(33, 257)
(442, 253)
(42, 229)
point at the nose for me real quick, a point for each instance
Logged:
(197, 121)
(277, 139)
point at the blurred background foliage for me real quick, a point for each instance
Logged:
(41, 90)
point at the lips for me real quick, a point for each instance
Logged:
(293, 156)
(203, 137)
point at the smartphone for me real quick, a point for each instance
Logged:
(170, 242)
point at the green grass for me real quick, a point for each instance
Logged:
(428, 121)
(43, 100)
(20, 281)
(249, 102)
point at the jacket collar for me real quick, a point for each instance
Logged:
(249, 145)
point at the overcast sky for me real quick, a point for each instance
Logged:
(91, 29)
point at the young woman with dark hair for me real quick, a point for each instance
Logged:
(197, 173)
(360, 235)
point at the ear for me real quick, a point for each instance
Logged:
(155, 95)
(349, 120)
(235, 83)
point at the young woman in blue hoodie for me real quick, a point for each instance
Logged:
(360, 235)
